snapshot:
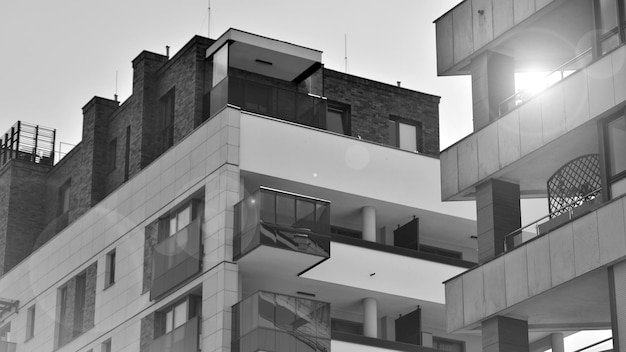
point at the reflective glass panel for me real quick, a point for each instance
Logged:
(285, 212)
(305, 214)
(220, 65)
(268, 207)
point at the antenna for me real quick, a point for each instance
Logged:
(115, 95)
(209, 21)
(346, 52)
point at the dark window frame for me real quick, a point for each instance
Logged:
(111, 158)
(167, 117)
(606, 154)
(419, 132)
(346, 115)
(63, 193)
(30, 322)
(619, 30)
(110, 266)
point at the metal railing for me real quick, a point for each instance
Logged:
(28, 142)
(510, 240)
(581, 60)
(587, 348)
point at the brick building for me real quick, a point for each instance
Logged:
(243, 197)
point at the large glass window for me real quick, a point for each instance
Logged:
(617, 145)
(607, 20)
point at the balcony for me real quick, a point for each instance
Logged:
(529, 143)
(287, 227)
(273, 322)
(185, 338)
(176, 259)
(268, 100)
(557, 280)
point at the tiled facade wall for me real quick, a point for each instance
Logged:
(207, 159)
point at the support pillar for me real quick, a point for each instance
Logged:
(556, 340)
(502, 334)
(617, 300)
(370, 317)
(498, 214)
(369, 223)
(493, 81)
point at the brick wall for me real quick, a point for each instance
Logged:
(66, 331)
(26, 211)
(373, 103)
(185, 73)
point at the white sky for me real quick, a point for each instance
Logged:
(56, 55)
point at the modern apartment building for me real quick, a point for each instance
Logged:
(566, 143)
(243, 198)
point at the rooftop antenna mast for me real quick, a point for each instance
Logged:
(209, 20)
(346, 52)
(115, 95)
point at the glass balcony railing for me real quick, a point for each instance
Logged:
(177, 258)
(282, 220)
(269, 321)
(184, 338)
(268, 100)
(566, 69)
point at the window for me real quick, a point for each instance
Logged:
(609, 14)
(127, 154)
(166, 111)
(64, 198)
(405, 134)
(76, 306)
(106, 346)
(109, 274)
(443, 344)
(79, 304)
(111, 155)
(178, 314)
(615, 157)
(30, 323)
(179, 219)
(338, 118)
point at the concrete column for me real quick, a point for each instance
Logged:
(493, 80)
(502, 334)
(369, 223)
(498, 214)
(617, 300)
(556, 340)
(370, 317)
